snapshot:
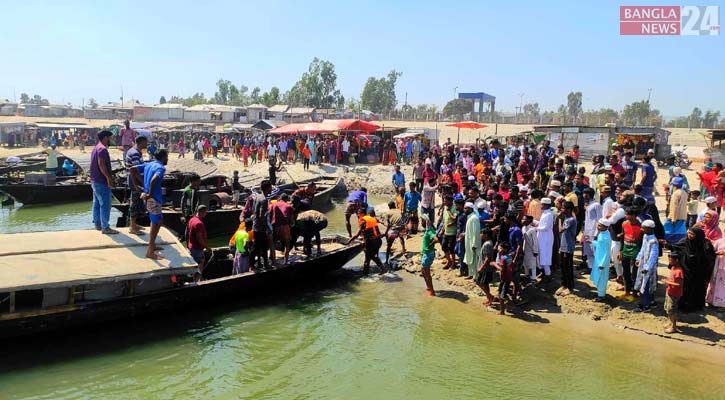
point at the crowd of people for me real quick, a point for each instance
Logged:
(522, 211)
(514, 212)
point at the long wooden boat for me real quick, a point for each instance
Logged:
(61, 192)
(224, 219)
(65, 189)
(96, 278)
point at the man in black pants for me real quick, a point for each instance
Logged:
(567, 229)
(260, 225)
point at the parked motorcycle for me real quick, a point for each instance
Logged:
(681, 159)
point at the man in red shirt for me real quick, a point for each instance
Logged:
(197, 240)
(281, 217)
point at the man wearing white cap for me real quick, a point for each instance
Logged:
(602, 255)
(472, 241)
(647, 262)
(545, 230)
(711, 203)
(592, 214)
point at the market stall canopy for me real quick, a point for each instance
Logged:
(468, 125)
(330, 125)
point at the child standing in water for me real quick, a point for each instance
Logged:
(505, 267)
(428, 254)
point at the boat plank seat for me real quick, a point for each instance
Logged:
(41, 260)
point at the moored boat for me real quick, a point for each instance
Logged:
(96, 278)
(45, 188)
(223, 218)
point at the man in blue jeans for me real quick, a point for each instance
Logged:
(102, 182)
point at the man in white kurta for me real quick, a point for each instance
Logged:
(472, 241)
(609, 206)
(592, 214)
(545, 235)
(531, 246)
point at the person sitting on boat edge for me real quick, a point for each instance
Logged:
(153, 194)
(373, 242)
(243, 247)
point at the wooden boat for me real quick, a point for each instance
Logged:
(97, 278)
(223, 218)
(61, 192)
(63, 189)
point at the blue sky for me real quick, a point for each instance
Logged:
(69, 50)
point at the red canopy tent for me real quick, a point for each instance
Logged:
(468, 125)
(330, 125)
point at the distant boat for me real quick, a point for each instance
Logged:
(97, 278)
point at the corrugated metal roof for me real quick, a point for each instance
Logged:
(214, 107)
(278, 108)
(300, 110)
(257, 106)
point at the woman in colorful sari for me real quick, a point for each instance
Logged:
(716, 289)
(711, 226)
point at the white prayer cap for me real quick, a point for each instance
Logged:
(480, 203)
(651, 151)
(676, 171)
(603, 221)
(468, 205)
(648, 224)
(546, 200)
(554, 194)
(555, 183)
(523, 188)
(471, 178)
(710, 199)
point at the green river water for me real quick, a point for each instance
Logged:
(348, 338)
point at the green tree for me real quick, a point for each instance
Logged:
(636, 113)
(458, 107)
(24, 98)
(255, 97)
(196, 99)
(271, 98)
(378, 95)
(317, 87)
(531, 109)
(176, 100)
(710, 119)
(162, 100)
(92, 103)
(696, 117)
(574, 103)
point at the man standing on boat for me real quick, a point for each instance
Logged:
(189, 199)
(153, 177)
(261, 226)
(128, 137)
(51, 163)
(136, 206)
(197, 240)
(101, 183)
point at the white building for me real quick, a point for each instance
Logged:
(256, 112)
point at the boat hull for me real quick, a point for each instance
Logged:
(183, 298)
(40, 194)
